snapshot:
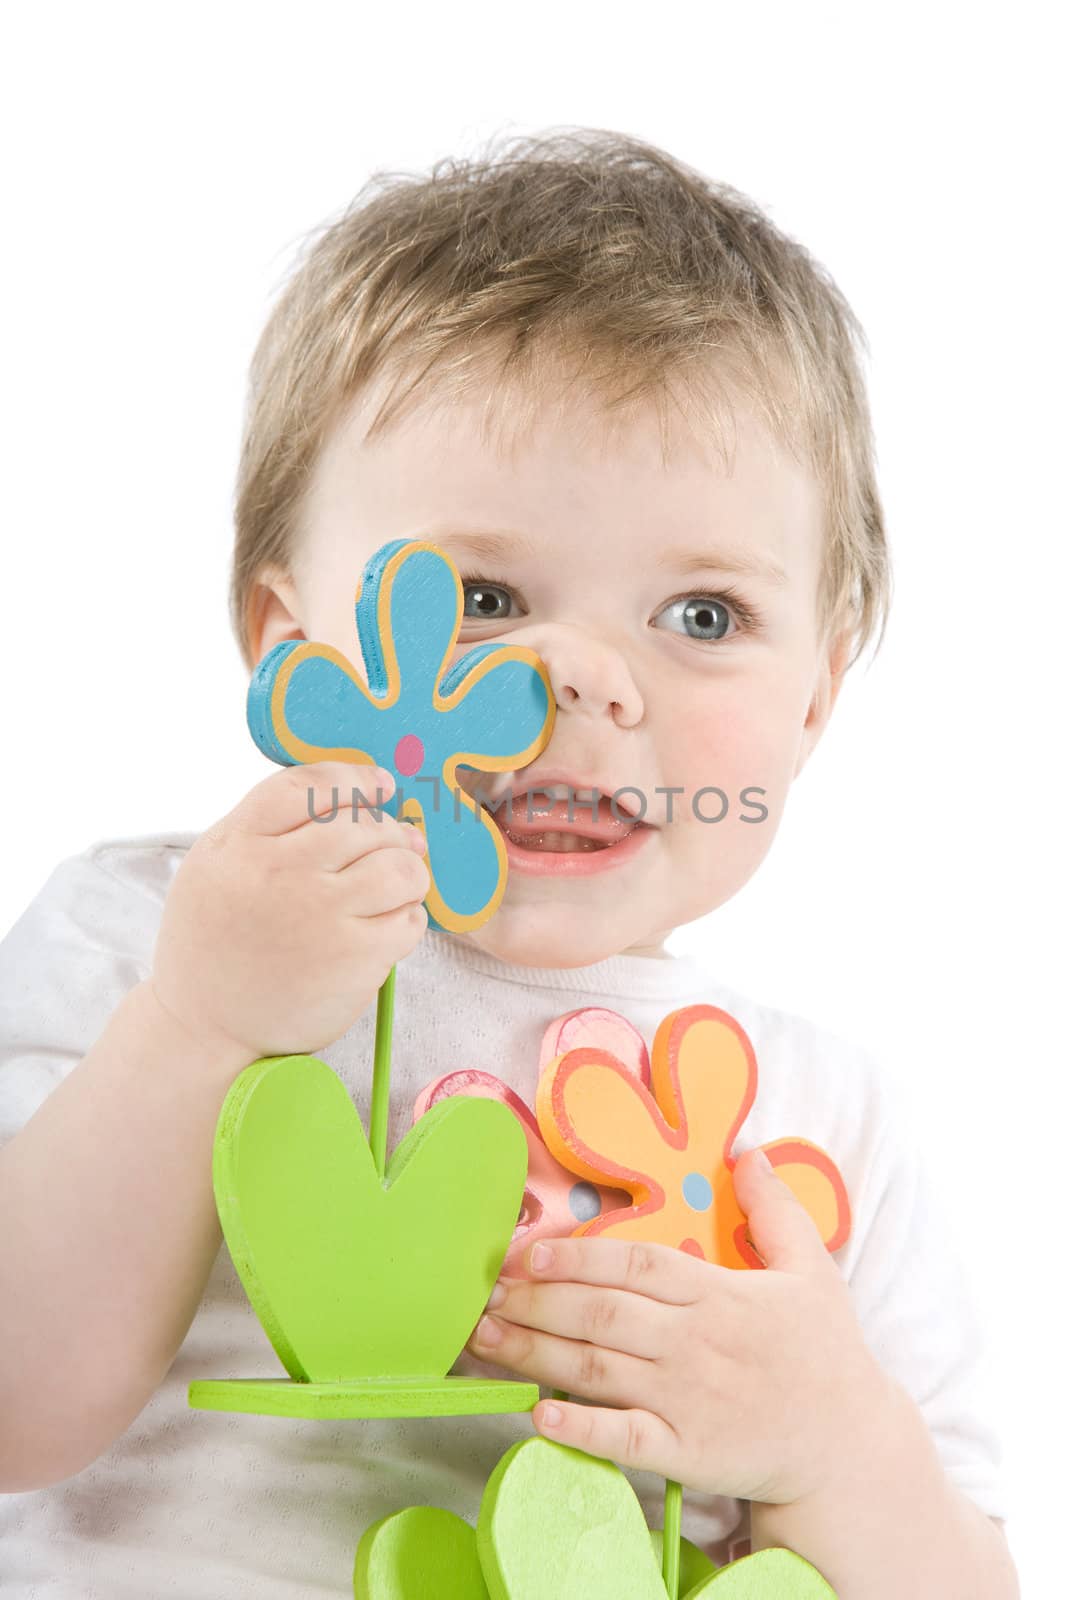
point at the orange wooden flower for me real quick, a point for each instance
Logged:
(671, 1149)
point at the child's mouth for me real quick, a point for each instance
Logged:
(567, 837)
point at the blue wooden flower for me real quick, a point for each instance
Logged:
(493, 710)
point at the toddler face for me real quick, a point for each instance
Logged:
(674, 608)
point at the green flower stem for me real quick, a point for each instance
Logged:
(379, 1095)
(672, 1536)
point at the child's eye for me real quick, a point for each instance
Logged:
(705, 616)
(490, 602)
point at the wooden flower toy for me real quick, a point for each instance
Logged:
(671, 1149)
(493, 709)
(554, 1200)
(368, 1278)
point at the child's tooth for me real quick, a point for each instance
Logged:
(564, 843)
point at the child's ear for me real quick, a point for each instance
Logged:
(273, 611)
(831, 675)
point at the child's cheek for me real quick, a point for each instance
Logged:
(731, 748)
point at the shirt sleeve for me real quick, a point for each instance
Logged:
(915, 1305)
(86, 939)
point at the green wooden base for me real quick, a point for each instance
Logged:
(367, 1397)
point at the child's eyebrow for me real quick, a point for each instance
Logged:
(738, 562)
(485, 545)
(488, 545)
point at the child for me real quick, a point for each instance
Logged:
(632, 412)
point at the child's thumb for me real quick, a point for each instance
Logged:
(783, 1234)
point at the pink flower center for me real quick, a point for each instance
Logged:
(408, 755)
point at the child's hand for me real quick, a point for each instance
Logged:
(278, 930)
(756, 1384)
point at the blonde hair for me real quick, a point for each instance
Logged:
(581, 256)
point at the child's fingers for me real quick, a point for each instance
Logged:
(609, 1377)
(330, 811)
(337, 840)
(657, 1270)
(611, 1318)
(631, 1438)
(291, 798)
(402, 928)
(383, 880)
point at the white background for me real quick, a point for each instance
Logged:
(161, 167)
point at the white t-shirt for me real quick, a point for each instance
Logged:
(212, 1504)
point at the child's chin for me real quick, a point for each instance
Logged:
(541, 936)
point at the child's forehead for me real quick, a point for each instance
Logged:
(682, 424)
(572, 485)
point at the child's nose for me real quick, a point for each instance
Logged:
(588, 675)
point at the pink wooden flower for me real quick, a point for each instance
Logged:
(555, 1202)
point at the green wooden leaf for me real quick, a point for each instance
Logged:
(350, 1276)
(767, 1575)
(418, 1554)
(556, 1524)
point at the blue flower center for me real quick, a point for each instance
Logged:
(696, 1191)
(584, 1202)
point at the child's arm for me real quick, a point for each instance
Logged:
(276, 933)
(895, 1526)
(900, 1521)
(109, 1235)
